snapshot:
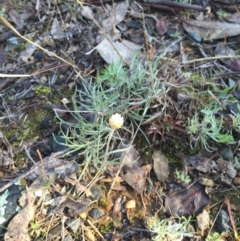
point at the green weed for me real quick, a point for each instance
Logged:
(208, 127)
(168, 229)
(182, 177)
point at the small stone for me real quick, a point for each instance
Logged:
(206, 182)
(203, 221)
(222, 222)
(96, 213)
(130, 204)
(226, 154)
(73, 224)
(97, 193)
(57, 143)
(68, 238)
(195, 37)
(236, 180)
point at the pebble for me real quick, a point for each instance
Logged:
(56, 143)
(96, 213)
(97, 193)
(68, 238)
(226, 154)
(130, 204)
(222, 222)
(73, 224)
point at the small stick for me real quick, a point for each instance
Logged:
(232, 219)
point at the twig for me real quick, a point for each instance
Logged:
(9, 184)
(176, 5)
(232, 219)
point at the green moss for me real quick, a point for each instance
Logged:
(103, 202)
(27, 129)
(106, 227)
(40, 90)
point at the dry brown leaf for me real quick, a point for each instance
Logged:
(202, 164)
(16, 18)
(79, 186)
(184, 201)
(17, 229)
(209, 30)
(160, 165)
(27, 53)
(134, 177)
(56, 30)
(75, 208)
(116, 15)
(161, 26)
(113, 52)
(227, 167)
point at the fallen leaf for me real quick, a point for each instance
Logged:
(209, 30)
(185, 201)
(54, 166)
(113, 52)
(87, 12)
(75, 208)
(202, 164)
(56, 30)
(116, 15)
(130, 204)
(224, 50)
(16, 18)
(17, 229)
(79, 187)
(27, 53)
(161, 26)
(227, 167)
(134, 177)
(131, 172)
(235, 64)
(160, 165)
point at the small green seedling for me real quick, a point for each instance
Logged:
(208, 127)
(216, 237)
(182, 177)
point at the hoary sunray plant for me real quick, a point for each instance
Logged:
(208, 128)
(168, 229)
(127, 90)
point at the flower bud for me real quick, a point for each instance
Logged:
(116, 121)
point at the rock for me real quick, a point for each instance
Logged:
(97, 193)
(226, 154)
(96, 213)
(130, 204)
(68, 238)
(236, 181)
(9, 205)
(73, 224)
(195, 37)
(222, 222)
(203, 221)
(57, 143)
